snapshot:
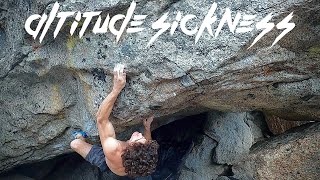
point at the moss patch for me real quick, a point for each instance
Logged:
(314, 51)
(71, 42)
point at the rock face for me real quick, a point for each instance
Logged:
(294, 155)
(227, 139)
(234, 135)
(279, 126)
(49, 89)
(198, 162)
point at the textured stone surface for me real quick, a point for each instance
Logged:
(234, 135)
(294, 155)
(278, 125)
(227, 139)
(198, 163)
(49, 89)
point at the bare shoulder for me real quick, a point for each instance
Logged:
(111, 146)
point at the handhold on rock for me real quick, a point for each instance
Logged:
(155, 107)
(118, 68)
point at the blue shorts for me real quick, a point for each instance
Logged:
(97, 158)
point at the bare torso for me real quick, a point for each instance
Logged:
(114, 160)
(116, 166)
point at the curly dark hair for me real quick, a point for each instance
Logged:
(140, 159)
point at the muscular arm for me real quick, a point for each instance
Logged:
(106, 131)
(104, 125)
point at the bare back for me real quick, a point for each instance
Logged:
(113, 150)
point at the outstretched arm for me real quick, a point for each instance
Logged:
(147, 124)
(105, 127)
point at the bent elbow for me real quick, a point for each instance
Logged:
(101, 119)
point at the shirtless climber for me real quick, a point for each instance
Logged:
(135, 157)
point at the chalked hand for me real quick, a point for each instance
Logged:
(119, 77)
